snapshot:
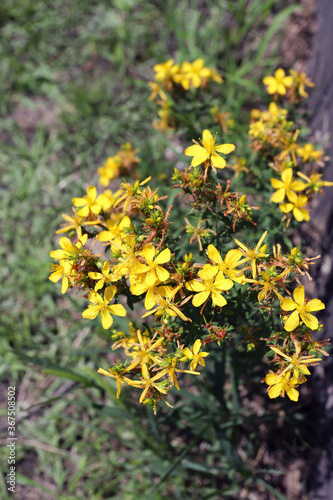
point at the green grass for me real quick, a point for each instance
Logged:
(73, 88)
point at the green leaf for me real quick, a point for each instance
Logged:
(50, 368)
(274, 27)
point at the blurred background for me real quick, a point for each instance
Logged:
(73, 83)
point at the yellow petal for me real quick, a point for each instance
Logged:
(225, 148)
(91, 312)
(304, 369)
(218, 161)
(292, 393)
(288, 81)
(208, 140)
(198, 159)
(310, 320)
(195, 286)
(196, 346)
(287, 304)
(286, 207)
(117, 310)
(278, 196)
(92, 192)
(138, 289)
(222, 283)
(110, 293)
(271, 378)
(187, 353)
(281, 89)
(299, 295)
(163, 257)
(150, 300)
(314, 305)
(275, 391)
(268, 80)
(287, 175)
(276, 183)
(298, 213)
(218, 299)
(79, 202)
(148, 252)
(151, 278)
(200, 298)
(292, 197)
(162, 273)
(107, 319)
(195, 150)
(214, 255)
(105, 236)
(64, 284)
(297, 186)
(292, 322)
(208, 272)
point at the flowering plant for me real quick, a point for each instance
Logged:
(213, 289)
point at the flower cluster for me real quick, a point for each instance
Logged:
(143, 266)
(276, 138)
(172, 80)
(293, 85)
(122, 163)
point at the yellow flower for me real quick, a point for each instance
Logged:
(138, 286)
(256, 128)
(290, 147)
(171, 370)
(300, 81)
(101, 306)
(227, 266)
(155, 270)
(286, 187)
(253, 254)
(314, 182)
(297, 207)
(210, 287)
(308, 152)
(75, 222)
(302, 309)
(130, 192)
(165, 71)
(196, 356)
(156, 90)
(274, 114)
(118, 375)
(268, 284)
(209, 150)
(128, 261)
(59, 271)
(278, 83)
(239, 166)
(89, 202)
(198, 232)
(109, 170)
(68, 250)
(103, 277)
(108, 199)
(297, 363)
(193, 73)
(166, 306)
(145, 353)
(281, 385)
(149, 383)
(116, 230)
